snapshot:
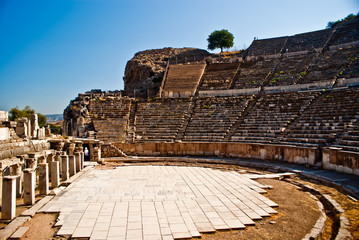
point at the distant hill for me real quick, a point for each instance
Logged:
(54, 117)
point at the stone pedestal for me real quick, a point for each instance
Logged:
(65, 167)
(72, 165)
(43, 178)
(78, 161)
(29, 186)
(8, 207)
(55, 174)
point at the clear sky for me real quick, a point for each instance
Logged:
(51, 50)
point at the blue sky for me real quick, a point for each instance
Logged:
(52, 50)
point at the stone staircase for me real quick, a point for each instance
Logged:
(130, 131)
(182, 79)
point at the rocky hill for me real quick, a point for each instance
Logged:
(144, 72)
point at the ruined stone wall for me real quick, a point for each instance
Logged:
(97, 114)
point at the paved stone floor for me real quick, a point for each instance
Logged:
(158, 202)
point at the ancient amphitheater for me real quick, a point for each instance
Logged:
(257, 144)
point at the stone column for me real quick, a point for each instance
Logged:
(65, 167)
(49, 160)
(34, 125)
(82, 159)
(55, 174)
(8, 207)
(17, 172)
(29, 186)
(58, 158)
(43, 178)
(72, 165)
(78, 161)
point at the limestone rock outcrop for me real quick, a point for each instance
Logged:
(144, 72)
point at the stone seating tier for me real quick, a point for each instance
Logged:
(266, 46)
(308, 41)
(218, 76)
(346, 32)
(290, 69)
(326, 118)
(271, 114)
(251, 74)
(160, 120)
(352, 71)
(329, 65)
(213, 117)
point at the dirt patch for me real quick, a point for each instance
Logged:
(41, 227)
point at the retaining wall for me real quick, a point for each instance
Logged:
(341, 161)
(292, 154)
(333, 158)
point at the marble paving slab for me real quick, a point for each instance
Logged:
(158, 202)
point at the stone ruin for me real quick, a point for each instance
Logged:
(292, 98)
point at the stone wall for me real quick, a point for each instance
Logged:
(229, 92)
(109, 150)
(286, 153)
(333, 159)
(341, 161)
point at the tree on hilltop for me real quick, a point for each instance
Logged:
(220, 39)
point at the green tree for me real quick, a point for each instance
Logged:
(41, 119)
(16, 113)
(220, 39)
(55, 129)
